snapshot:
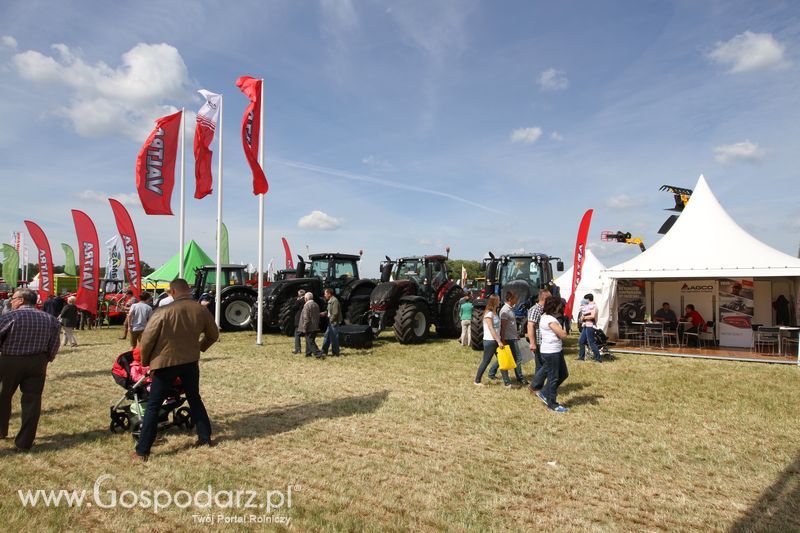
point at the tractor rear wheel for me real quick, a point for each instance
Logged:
(357, 312)
(449, 325)
(411, 323)
(286, 318)
(235, 311)
(476, 328)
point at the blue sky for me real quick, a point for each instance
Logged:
(410, 125)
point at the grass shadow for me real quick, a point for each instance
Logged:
(777, 507)
(61, 441)
(572, 387)
(84, 374)
(288, 418)
(591, 399)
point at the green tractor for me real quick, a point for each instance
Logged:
(325, 270)
(524, 275)
(237, 298)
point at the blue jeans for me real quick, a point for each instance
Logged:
(555, 369)
(163, 378)
(331, 338)
(489, 351)
(587, 335)
(512, 343)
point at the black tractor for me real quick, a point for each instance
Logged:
(524, 275)
(420, 294)
(237, 299)
(327, 270)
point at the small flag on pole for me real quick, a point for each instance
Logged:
(251, 131)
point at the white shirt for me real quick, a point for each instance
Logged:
(166, 301)
(550, 342)
(487, 335)
(586, 310)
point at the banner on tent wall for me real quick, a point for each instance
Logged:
(69, 262)
(630, 302)
(130, 246)
(114, 276)
(10, 266)
(44, 258)
(580, 257)
(155, 166)
(736, 307)
(288, 252)
(89, 250)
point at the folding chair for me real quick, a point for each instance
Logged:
(654, 332)
(767, 336)
(708, 335)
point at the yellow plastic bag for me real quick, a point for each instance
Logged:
(505, 358)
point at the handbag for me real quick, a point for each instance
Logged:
(505, 358)
(525, 353)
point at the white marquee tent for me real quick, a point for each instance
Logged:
(706, 245)
(592, 281)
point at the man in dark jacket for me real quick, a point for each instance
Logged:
(309, 325)
(297, 308)
(334, 314)
(53, 305)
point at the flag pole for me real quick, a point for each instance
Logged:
(219, 220)
(183, 191)
(260, 280)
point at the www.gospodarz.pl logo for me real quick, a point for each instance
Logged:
(105, 496)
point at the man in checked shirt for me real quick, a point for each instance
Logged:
(29, 339)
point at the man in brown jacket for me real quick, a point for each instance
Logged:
(309, 325)
(171, 346)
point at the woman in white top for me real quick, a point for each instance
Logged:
(554, 367)
(491, 339)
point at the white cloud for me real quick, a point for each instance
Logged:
(131, 199)
(317, 220)
(624, 201)
(556, 136)
(526, 135)
(750, 51)
(104, 100)
(745, 151)
(8, 41)
(377, 163)
(553, 80)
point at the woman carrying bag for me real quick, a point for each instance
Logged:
(491, 340)
(554, 367)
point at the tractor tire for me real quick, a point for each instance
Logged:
(286, 318)
(476, 329)
(357, 312)
(449, 325)
(411, 323)
(235, 311)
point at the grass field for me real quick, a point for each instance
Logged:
(398, 438)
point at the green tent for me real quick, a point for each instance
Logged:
(193, 257)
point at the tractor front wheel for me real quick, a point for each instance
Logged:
(236, 310)
(411, 323)
(476, 328)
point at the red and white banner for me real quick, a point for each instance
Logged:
(155, 166)
(89, 252)
(45, 259)
(580, 257)
(203, 135)
(463, 277)
(288, 252)
(251, 131)
(129, 245)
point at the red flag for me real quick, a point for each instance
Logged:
(44, 258)
(203, 135)
(129, 245)
(88, 289)
(289, 261)
(155, 166)
(580, 256)
(251, 130)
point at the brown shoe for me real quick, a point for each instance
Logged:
(203, 443)
(138, 458)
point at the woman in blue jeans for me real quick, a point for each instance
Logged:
(491, 339)
(554, 368)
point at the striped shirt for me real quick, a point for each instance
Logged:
(535, 315)
(28, 331)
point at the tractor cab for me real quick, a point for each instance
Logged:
(206, 278)
(335, 270)
(426, 272)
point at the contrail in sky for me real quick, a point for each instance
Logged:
(377, 181)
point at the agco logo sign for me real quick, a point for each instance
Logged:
(696, 288)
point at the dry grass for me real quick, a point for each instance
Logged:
(397, 438)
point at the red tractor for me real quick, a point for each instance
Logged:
(420, 294)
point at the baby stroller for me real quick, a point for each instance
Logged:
(127, 414)
(602, 342)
